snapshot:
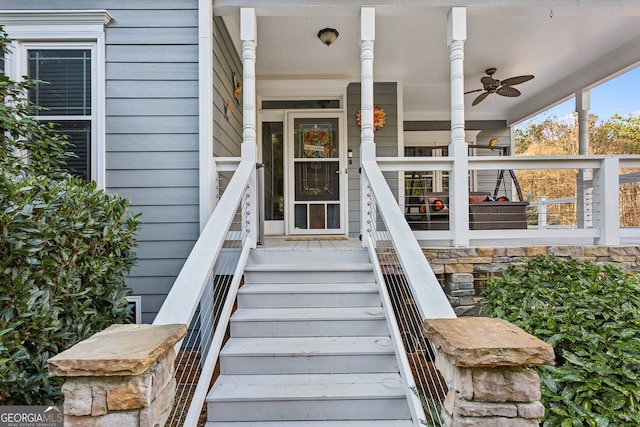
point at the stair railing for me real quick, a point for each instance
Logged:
(204, 293)
(410, 293)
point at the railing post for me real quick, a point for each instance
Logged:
(606, 184)
(583, 193)
(367, 145)
(459, 179)
(542, 212)
(261, 207)
(248, 35)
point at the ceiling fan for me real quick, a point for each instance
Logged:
(504, 87)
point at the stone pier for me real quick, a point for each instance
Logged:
(486, 365)
(121, 376)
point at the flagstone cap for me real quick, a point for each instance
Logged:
(117, 350)
(486, 342)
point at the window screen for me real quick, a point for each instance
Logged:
(63, 93)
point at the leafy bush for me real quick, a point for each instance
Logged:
(590, 315)
(65, 248)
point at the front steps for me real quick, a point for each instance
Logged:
(309, 347)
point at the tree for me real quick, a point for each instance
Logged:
(555, 137)
(65, 249)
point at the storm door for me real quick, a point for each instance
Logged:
(317, 173)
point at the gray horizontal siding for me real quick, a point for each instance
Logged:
(152, 71)
(154, 249)
(177, 231)
(165, 195)
(155, 18)
(227, 134)
(167, 214)
(152, 89)
(151, 305)
(148, 36)
(152, 124)
(158, 268)
(151, 285)
(152, 134)
(152, 107)
(151, 178)
(152, 53)
(151, 142)
(386, 140)
(163, 161)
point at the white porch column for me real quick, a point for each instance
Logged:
(606, 182)
(459, 178)
(248, 35)
(208, 176)
(584, 195)
(367, 145)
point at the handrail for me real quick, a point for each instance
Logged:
(429, 296)
(203, 294)
(182, 301)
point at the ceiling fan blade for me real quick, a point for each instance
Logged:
(509, 91)
(516, 80)
(472, 91)
(479, 99)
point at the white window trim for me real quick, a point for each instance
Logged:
(137, 307)
(68, 29)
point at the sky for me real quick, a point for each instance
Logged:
(617, 96)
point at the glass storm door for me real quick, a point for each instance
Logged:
(317, 173)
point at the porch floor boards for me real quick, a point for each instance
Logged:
(280, 243)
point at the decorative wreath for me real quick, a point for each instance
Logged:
(316, 144)
(379, 117)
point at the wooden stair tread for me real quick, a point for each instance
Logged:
(302, 346)
(326, 267)
(307, 314)
(307, 387)
(332, 423)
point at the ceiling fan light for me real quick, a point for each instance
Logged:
(328, 36)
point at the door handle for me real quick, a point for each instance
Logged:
(346, 171)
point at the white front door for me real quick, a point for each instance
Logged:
(315, 173)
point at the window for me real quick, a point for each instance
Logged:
(64, 95)
(418, 183)
(65, 49)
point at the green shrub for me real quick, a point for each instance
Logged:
(590, 315)
(65, 248)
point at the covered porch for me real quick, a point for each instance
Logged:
(425, 54)
(430, 66)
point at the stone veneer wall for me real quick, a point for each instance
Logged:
(460, 266)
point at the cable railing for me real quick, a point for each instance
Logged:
(204, 294)
(410, 293)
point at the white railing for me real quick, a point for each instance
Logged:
(598, 214)
(410, 294)
(205, 290)
(542, 206)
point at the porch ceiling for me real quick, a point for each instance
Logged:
(566, 48)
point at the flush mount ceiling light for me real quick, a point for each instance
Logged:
(328, 36)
